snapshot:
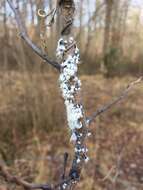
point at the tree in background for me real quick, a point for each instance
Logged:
(68, 58)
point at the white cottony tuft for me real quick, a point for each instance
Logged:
(86, 159)
(89, 134)
(71, 39)
(61, 48)
(84, 150)
(78, 160)
(64, 186)
(78, 149)
(70, 86)
(74, 112)
(73, 137)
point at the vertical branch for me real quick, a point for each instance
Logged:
(69, 56)
(64, 165)
(108, 18)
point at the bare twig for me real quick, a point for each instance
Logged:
(108, 174)
(115, 101)
(125, 183)
(41, 13)
(118, 165)
(26, 38)
(29, 186)
(44, 15)
(115, 168)
(18, 181)
(64, 165)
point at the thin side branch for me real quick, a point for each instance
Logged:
(64, 165)
(18, 181)
(29, 186)
(125, 183)
(29, 42)
(115, 101)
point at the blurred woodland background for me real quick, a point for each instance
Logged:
(33, 127)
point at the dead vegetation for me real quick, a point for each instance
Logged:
(34, 135)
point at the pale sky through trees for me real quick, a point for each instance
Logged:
(137, 4)
(134, 3)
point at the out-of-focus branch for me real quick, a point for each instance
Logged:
(26, 38)
(95, 14)
(64, 165)
(68, 54)
(18, 181)
(29, 186)
(115, 101)
(123, 182)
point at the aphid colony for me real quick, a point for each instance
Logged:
(70, 87)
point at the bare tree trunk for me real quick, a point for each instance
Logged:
(52, 33)
(115, 24)
(80, 26)
(92, 19)
(40, 27)
(106, 43)
(87, 43)
(5, 37)
(32, 12)
(123, 20)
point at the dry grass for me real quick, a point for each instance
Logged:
(34, 135)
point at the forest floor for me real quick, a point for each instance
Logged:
(34, 133)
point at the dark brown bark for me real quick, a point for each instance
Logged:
(67, 8)
(107, 30)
